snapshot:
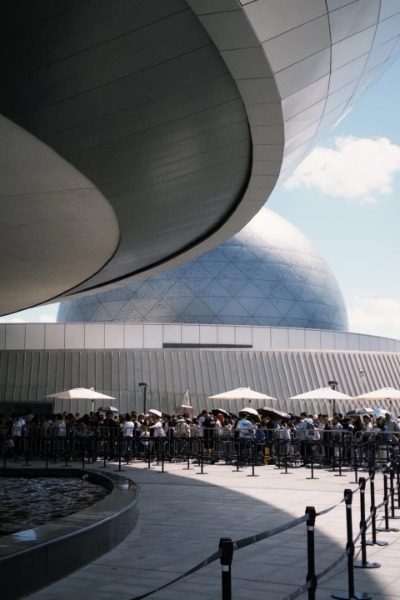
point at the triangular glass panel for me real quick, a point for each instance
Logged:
(197, 308)
(249, 290)
(113, 308)
(232, 271)
(281, 292)
(117, 294)
(266, 309)
(214, 268)
(283, 306)
(178, 289)
(231, 285)
(101, 314)
(216, 303)
(196, 271)
(199, 286)
(234, 309)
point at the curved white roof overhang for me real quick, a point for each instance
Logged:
(297, 67)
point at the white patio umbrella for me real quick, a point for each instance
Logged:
(81, 394)
(385, 393)
(326, 393)
(241, 396)
(242, 393)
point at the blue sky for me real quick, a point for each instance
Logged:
(347, 202)
(345, 198)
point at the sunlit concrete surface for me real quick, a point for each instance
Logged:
(184, 514)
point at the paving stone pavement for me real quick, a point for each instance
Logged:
(183, 514)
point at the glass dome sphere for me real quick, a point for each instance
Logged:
(267, 274)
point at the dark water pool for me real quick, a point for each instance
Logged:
(27, 502)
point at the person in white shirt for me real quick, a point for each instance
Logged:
(245, 429)
(156, 429)
(128, 429)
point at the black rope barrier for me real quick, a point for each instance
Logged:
(351, 593)
(392, 492)
(308, 585)
(247, 541)
(363, 563)
(373, 512)
(386, 503)
(243, 543)
(204, 563)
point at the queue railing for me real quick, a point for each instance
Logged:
(339, 451)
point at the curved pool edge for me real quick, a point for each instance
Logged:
(34, 558)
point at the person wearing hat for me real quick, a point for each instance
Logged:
(182, 428)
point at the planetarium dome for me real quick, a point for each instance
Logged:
(268, 274)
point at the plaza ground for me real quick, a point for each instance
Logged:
(183, 514)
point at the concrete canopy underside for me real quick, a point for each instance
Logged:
(178, 113)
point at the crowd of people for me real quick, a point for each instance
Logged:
(211, 427)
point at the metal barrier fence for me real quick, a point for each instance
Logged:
(334, 449)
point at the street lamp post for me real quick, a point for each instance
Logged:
(332, 384)
(143, 385)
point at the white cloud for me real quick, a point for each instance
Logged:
(40, 314)
(11, 319)
(356, 168)
(375, 316)
(47, 318)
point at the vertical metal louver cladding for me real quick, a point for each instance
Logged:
(29, 375)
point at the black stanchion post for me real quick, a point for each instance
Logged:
(119, 449)
(285, 455)
(285, 458)
(373, 541)
(351, 593)
(355, 455)
(363, 563)
(201, 458)
(188, 453)
(398, 481)
(340, 445)
(149, 443)
(311, 575)
(83, 444)
(238, 454)
(253, 459)
(277, 445)
(105, 446)
(392, 494)
(386, 503)
(26, 451)
(161, 442)
(226, 555)
(312, 463)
